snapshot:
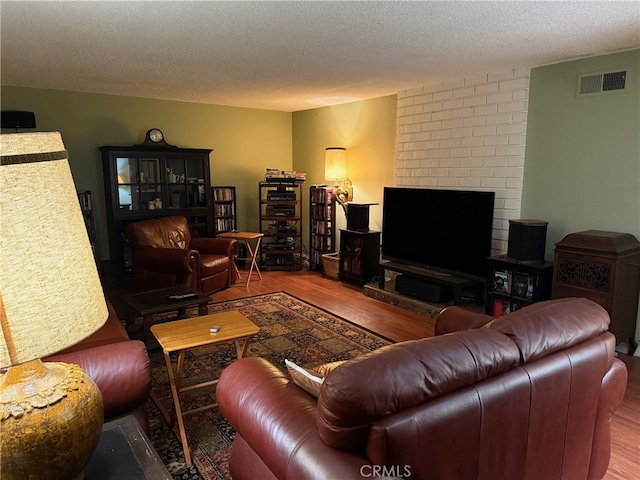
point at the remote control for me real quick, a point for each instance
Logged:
(182, 296)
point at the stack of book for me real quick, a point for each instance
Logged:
(274, 175)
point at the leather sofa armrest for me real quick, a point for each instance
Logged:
(166, 260)
(216, 246)
(120, 370)
(614, 384)
(455, 319)
(277, 419)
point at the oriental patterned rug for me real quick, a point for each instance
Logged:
(289, 328)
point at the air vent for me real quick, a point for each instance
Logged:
(600, 83)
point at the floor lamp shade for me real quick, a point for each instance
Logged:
(50, 298)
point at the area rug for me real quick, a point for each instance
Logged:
(289, 329)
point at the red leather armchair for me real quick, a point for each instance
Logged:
(118, 365)
(164, 254)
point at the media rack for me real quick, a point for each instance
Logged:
(280, 220)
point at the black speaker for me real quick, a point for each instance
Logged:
(17, 119)
(358, 216)
(422, 289)
(527, 239)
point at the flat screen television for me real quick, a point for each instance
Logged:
(445, 230)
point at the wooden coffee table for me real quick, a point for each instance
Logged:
(181, 335)
(149, 303)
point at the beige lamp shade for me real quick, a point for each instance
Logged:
(335, 163)
(50, 292)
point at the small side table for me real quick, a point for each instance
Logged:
(181, 335)
(149, 303)
(125, 451)
(246, 238)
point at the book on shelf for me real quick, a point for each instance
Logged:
(222, 194)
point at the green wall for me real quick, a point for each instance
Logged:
(367, 130)
(244, 141)
(582, 160)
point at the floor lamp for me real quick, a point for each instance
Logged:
(50, 299)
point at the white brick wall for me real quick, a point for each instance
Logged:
(467, 134)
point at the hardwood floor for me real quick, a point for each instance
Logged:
(340, 298)
(347, 301)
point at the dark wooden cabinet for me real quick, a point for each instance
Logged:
(603, 267)
(149, 182)
(224, 209)
(322, 235)
(359, 254)
(281, 222)
(513, 285)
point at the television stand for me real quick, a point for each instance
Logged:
(457, 284)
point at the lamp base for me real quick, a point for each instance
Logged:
(52, 415)
(343, 192)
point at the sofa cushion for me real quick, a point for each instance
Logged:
(210, 264)
(547, 327)
(400, 376)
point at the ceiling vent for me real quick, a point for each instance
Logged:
(600, 83)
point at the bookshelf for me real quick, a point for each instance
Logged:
(322, 236)
(224, 209)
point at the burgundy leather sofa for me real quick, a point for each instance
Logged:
(165, 254)
(119, 367)
(529, 396)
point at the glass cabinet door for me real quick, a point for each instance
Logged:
(126, 180)
(176, 176)
(139, 183)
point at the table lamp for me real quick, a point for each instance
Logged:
(335, 168)
(50, 299)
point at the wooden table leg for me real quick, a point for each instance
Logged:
(252, 254)
(174, 381)
(203, 309)
(241, 346)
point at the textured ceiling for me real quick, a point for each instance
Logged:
(294, 55)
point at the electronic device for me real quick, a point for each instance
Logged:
(358, 216)
(423, 289)
(447, 230)
(282, 227)
(281, 211)
(182, 296)
(214, 329)
(279, 245)
(280, 195)
(279, 260)
(527, 239)
(17, 119)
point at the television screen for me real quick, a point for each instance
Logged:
(448, 230)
